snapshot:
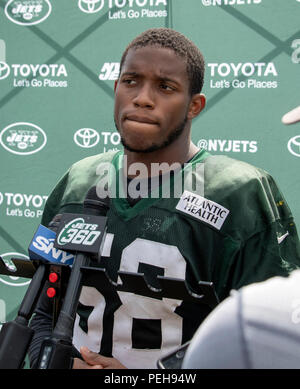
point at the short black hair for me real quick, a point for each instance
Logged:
(181, 45)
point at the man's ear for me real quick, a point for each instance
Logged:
(197, 104)
(115, 86)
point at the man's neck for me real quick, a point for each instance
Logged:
(164, 157)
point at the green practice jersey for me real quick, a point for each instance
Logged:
(215, 220)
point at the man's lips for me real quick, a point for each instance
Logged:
(140, 119)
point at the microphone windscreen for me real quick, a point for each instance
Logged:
(94, 204)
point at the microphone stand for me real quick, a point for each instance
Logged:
(15, 336)
(56, 352)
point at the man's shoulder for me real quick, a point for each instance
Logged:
(249, 193)
(225, 176)
(81, 176)
(232, 170)
(86, 172)
(91, 163)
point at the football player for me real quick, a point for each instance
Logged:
(176, 211)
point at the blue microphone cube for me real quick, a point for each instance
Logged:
(42, 248)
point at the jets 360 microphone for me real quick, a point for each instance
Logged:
(82, 234)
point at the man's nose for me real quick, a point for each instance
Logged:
(144, 97)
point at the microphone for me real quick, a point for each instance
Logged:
(42, 251)
(84, 235)
(42, 248)
(84, 232)
(16, 336)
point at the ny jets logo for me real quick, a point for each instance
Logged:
(110, 71)
(78, 232)
(296, 53)
(27, 13)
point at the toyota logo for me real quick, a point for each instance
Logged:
(90, 6)
(86, 137)
(4, 70)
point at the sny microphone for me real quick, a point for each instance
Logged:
(42, 248)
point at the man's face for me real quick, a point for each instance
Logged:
(151, 99)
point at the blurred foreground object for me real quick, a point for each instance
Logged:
(291, 117)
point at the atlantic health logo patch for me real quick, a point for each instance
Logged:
(202, 209)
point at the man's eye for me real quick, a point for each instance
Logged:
(166, 87)
(128, 81)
